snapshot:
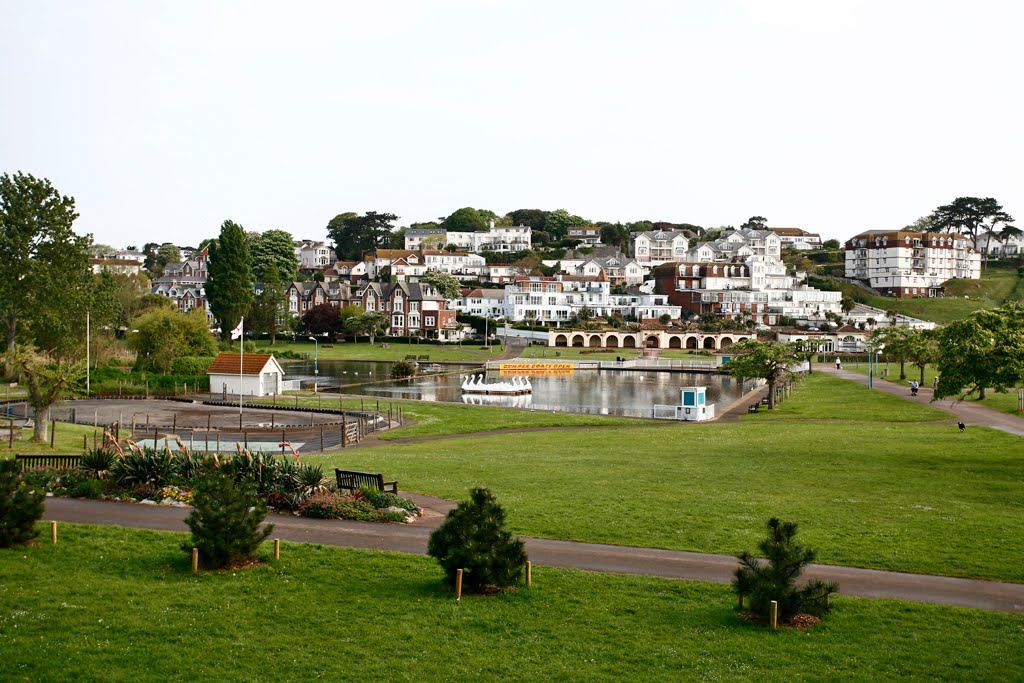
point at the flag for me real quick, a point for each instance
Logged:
(237, 332)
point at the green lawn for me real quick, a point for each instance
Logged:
(821, 396)
(451, 418)
(115, 604)
(911, 497)
(998, 283)
(364, 351)
(68, 439)
(1003, 402)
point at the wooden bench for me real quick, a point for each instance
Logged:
(61, 461)
(423, 358)
(352, 481)
(411, 356)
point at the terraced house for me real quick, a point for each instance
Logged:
(412, 309)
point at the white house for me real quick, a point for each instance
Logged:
(250, 374)
(654, 247)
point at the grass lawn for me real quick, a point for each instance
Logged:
(452, 418)
(911, 497)
(364, 351)
(68, 439)
(116, 604)
(1003, 402)
(820, 396)
(997, 284)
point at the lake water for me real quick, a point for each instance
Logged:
(630, 394)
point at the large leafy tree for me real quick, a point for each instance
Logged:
(969, 216)
(535, 218)
(370, 323)
(559, 221)
(163, 334)
(897, 344)
(322, 320)
(354, 235)
(45, 273)
(466, 219)
(229, 282)
(273, 247)
(768, 360)
(445, 284)
(168, 253)
(48, 380)
(983, 350)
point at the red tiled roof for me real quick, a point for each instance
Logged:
(227, 363)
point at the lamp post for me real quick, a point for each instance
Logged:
(316, 361)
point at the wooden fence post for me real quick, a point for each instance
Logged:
(53, 532)
(53, 431)
(195, 560)
(775, 614)
(277, 548)
(529, 573)
(458, 585)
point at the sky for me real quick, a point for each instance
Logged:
(163, 119)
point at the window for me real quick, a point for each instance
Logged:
(428, 321)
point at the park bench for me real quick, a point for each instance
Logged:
(411, 356)
(28, 462)
(352, 481)
(423, 358)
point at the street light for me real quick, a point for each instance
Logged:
(316, 361)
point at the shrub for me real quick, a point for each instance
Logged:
(473, 538)
(402, 369)
(386, 499)
(88, 488)
(191, 365)
(97, 462)
(21, 506)
(225, 521)
(324, 505)
(776, 578)
(147, 468)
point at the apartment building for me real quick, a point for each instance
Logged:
(655, 247)
(905, 264)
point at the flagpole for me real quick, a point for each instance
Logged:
(241, 364)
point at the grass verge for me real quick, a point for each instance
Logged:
(822, 396)
(910, 497)
(121, 605)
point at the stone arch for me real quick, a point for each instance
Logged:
(629, 342)
(725, 342)
(652, 342)
(577, 340)
(613, 342)
(709, 343)
(675, 342)
(561, 340)
(595, 341)
(691, 342)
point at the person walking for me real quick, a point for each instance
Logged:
(839, 363)
(961, 425)
(913, 387)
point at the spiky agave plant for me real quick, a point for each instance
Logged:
(145, 466)
(97, 462)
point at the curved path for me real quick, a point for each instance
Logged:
(412, 538)
(970, 413)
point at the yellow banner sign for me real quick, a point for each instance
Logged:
(537, 368)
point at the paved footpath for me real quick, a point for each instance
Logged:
(970, 413)
(412, 538)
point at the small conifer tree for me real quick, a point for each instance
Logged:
(775, 579)
(20, 506)
(225, 521)
(473, 538)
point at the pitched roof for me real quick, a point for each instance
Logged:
(228, 363)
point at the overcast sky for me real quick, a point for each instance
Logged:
(163, 119)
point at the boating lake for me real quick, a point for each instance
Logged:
(630, 393)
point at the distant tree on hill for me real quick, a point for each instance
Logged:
(535, 218)
(755, 223)
(466, 219)
(559, 221)
(355, 235)
(969, 216)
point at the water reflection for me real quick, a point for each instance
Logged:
(632, 394)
